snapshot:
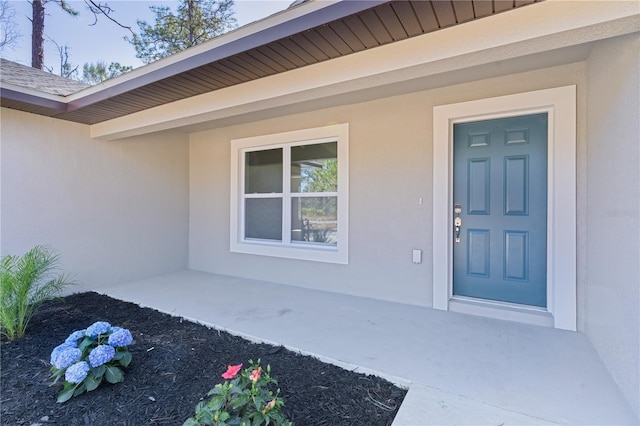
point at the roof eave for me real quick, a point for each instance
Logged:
(54, 103)
(436, 59)
(287, 23)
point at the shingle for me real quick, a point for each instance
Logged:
(41, 81)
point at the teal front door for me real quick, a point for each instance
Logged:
(500, 210)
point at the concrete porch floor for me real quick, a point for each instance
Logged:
(459, 369)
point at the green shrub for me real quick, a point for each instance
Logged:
(90, 355)
(244, 399)
(25, 283)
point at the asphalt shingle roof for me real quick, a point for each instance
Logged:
(24, 76)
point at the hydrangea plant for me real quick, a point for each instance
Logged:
(243, 399)
(88, 356)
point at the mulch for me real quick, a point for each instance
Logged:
(175, 363)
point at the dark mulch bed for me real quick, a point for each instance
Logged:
(175, 363)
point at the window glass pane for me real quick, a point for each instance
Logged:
(263, 171)
(314, 219)
(314, 168)
(263, 218)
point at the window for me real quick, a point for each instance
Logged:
(289, 194)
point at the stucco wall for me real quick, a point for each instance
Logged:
(114, 211)
(390, 170)
(613, 204)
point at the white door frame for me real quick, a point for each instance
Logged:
(560, 104)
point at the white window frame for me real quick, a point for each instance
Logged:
(560, 104)
(287, 248)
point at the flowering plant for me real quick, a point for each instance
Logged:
(243, 399)
(88, 356)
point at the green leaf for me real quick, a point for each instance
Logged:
(92, 383)
(114, 375)
(85, 344)
(190, 422)
(79, 389)
(125, 359)
(56, 375)
(218, 390)
(66, 394)
(257, 419)
(239, 401)
(25, 283)
(98, 372)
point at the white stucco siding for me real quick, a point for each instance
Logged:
(390, 170)
(114, 211)
(385, 222)
(612, 311)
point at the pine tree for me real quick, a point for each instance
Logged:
(195, 22)
(37, 29)
(100, 71)
(37, 24)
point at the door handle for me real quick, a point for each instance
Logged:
(457, 221)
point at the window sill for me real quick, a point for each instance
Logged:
(313, 253)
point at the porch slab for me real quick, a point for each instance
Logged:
(459, 369)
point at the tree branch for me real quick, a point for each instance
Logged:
(104, 9)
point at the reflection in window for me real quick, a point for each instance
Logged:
(313, 195)
(314, 219)
(314, 168)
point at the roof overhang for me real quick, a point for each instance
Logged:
(533, 37)
(151, 98)
(22, 98)
(311, 32)
(279, 26)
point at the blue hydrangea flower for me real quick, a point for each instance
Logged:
(57, 350)
(67, 357)
(121, 337)
(74, 337)
(116, 328)
(77, 372)
(97, 328)
(101, 355)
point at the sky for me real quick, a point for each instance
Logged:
(105, 40)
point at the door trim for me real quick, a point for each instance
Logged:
(560, 104)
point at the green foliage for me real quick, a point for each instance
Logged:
(25, 283)
(324, 179)
(87, 357)
(65, 6)
(100, 71)
(195, 22)
(243, 400)
(318, 213)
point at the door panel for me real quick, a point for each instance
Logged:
(500, 182)
(479, 184)
(516, 185)
(478, 254)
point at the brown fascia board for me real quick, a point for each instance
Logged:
(55, 106)
(285, 29)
